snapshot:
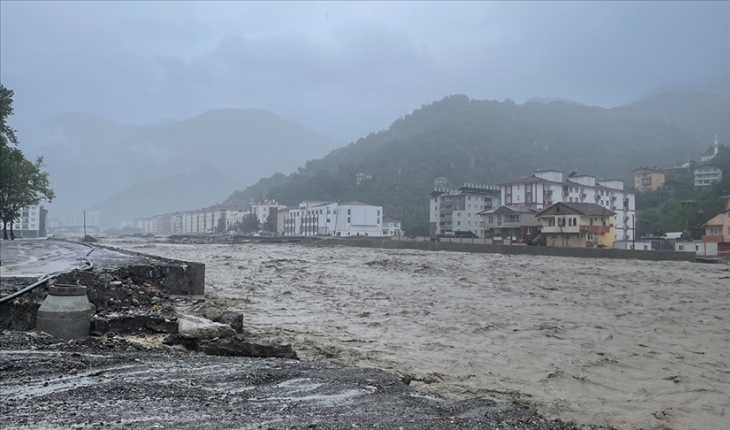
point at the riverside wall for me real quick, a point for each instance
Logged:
(387, 243)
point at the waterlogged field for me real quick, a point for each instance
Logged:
(619, 343)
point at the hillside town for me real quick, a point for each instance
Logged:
(547, 208)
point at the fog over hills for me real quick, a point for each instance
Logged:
(129, 171)
(91, 158)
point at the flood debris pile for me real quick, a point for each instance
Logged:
(130, 303)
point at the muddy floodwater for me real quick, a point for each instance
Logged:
(620, 343)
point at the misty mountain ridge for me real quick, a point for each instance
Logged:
(548, 100)
(191, 190)
(90, 157)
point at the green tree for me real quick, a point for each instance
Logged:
(221, 227)
(249, 224)
(23, 183)
(270, 225)
(7, 134)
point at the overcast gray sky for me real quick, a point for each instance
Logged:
(346, 69)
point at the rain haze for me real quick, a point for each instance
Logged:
(347, 69)
(502, 212)
(123, 91)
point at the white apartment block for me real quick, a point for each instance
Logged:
(332, 219)
(263, 210)
(31, 222)
(206, 220)
(452, 210)
(707, 175)
(545, 188)
(191, 222)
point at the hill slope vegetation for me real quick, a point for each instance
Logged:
(487, 141)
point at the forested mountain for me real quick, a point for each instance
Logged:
(490, 142)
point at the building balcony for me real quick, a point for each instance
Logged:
(554, 229)
(583, 195)
(548, 193)
(565, 194)
(597, 197)
(717, 238)
(595, 229)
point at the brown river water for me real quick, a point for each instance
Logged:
(616, 343)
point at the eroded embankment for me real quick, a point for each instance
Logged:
(142, 302)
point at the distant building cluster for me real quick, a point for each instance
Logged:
(574, 211)
(309, 218)
(701, 174)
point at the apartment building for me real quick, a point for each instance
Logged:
(264, 209)
(457, 210)
(511, 224)
(31, 223)
(392, 227)
(648, 179)
(334, 219)
(717, 230)
(548, 187)
(579, 225)
(206, 220)
(706, 175)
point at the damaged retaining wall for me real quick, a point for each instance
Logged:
(517, 250)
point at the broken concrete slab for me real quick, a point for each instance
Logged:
(193, 327)
(233, 319)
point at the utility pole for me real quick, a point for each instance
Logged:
(84, 223)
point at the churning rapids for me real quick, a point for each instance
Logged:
(620, 343)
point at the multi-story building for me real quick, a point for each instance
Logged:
(31, 223)
(511, 224)
(332, 219)
(717, 230)
(648, 179)
(545, 188)
(391, 227)
(578, 225)
(264, 209)
(457, 210)
(706, 175)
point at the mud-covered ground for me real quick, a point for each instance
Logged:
(109, 383)
(616, 343)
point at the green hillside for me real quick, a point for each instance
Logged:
(488, 141)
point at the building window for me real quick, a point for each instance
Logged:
(348, 220)
(681, 247)
(458, 222)
(491, 219)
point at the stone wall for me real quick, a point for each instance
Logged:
(518, 249)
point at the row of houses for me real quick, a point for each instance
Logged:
(309, 218)
(563, 211)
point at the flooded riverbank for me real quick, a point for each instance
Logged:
(621, 343)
